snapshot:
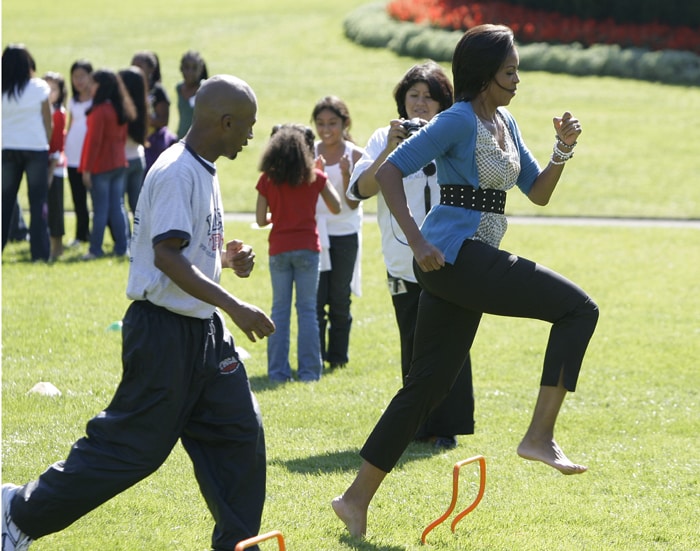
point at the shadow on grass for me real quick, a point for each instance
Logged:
(363, 545)
(348, 460)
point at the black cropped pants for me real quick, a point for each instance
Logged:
(483, 279)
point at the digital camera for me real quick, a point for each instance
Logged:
(412, 126)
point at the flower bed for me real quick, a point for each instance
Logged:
(371, 26)
(530, 25)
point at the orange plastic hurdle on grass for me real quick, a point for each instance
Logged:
(245, 544)
(455, 489)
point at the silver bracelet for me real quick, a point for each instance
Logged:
(562, 142)
(559, 153)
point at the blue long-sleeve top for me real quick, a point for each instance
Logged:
(450, 139)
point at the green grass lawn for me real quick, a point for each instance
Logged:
(634, 419)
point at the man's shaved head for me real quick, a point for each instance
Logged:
(223, 95)
(224, 114)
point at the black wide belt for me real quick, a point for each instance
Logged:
(484, 200)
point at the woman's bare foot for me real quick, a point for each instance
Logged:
(551, 454)
(355, 518)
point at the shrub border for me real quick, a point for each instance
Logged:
(370, 25)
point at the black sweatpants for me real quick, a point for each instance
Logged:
(182, 379)
(455, 415)
(483, 279)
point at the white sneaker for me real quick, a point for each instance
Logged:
(13, 539)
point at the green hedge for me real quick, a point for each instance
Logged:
(371, 26)
(672, 12)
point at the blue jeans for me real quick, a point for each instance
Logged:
(134, 181)
(35, 164)
(334, 291)
(300, 269)
(108, 204)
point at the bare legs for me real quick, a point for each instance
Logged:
(538, 443)
(352, 506)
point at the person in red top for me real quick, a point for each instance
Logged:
(288, 191)
(103, 161)
(57, 163)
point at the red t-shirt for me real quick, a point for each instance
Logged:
(58, 135)
(293, 213)
(105, 141)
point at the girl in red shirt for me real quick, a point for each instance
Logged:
(57, 163)
(103, 161)
(288, 188)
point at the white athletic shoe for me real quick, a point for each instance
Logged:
(13, 539)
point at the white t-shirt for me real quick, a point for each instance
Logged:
(398, 256)
(348, 220)
(76, 133)
(180, 198)
(22, 120)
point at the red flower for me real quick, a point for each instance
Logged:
(530, 25)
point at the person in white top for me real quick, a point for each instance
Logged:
(422, 93)
(340, 233)
(79, 103)
(26, 130)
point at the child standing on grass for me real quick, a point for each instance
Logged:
(160, 136)
(339, 232)
(79, 103)
(194, 71)
(289, 187)
(103, 162)
(57, 163)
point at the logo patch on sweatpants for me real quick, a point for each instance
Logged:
(229, 365)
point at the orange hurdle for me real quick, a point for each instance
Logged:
(455, 489)
(245, 544)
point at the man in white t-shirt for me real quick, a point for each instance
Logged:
(182, 376)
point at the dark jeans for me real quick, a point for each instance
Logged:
(35, 164)
(133, 181)
(482, 280)
(182, 379)
(80, 206)
(455, 415)
(56, 217)
(334, 292)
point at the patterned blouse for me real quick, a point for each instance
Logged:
(498, 169)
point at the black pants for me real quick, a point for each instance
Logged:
(455, 415)
(79, 194)
(183, 380)
(334, 291)
(483, 279)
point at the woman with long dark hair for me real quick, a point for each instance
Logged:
(103, 162)
(135, 83)
(26, 131)
(78, 104)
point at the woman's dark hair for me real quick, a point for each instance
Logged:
(17, 67)
(83, 64)
(61, 83)
(192, 54)
(432, 74)
(337, 106)
(477, 57)
(150, 59)
(289, 155)
(111, 89)
(136, 86)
